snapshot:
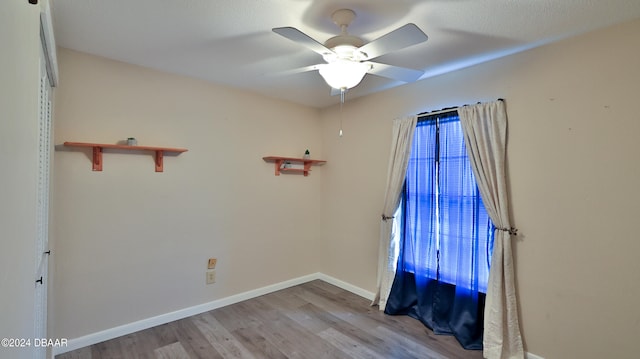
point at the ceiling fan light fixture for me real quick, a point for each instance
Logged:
(343, 74)
(348, 58)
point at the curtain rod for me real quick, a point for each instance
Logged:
(447, 109)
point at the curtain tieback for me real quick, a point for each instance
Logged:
(512, 230)
(385, 218)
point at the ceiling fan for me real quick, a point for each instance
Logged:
(348, 58)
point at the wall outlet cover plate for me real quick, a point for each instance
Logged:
(211, 277)
(212, 263)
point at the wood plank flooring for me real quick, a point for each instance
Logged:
(314, 320)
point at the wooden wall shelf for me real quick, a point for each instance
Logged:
(279, 161)
(98, 147)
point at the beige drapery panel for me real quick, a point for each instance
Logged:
(485, 130)
(402, 136)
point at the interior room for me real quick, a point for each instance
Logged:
(130, 245)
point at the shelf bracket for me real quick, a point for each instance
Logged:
(159, 158)
(97, 158)
(307, 168)
(278, 164)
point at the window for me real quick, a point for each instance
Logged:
(445, 231)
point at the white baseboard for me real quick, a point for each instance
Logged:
(532, 356)
(346, 286)
(94, 338)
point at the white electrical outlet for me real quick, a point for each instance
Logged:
(211, 277)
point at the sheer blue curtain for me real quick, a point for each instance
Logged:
(446, 236)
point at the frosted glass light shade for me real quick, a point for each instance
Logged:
(343, 74)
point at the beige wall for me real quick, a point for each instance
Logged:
(19, 85)
(573, 172)
(133, 243)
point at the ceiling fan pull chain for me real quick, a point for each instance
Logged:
(342, 91)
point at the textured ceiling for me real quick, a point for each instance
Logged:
(230, 41)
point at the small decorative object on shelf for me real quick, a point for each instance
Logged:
(284, 164)
(307, 155)
(131, 141)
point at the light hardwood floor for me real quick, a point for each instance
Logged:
(313, 320)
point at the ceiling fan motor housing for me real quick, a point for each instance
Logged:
(345, 52)
(343, 40)
(344, 45)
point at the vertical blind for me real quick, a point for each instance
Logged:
(443, 211)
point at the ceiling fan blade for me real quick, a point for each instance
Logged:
(296, 71)
(394, 72)
(300, 37)
(397, 39)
